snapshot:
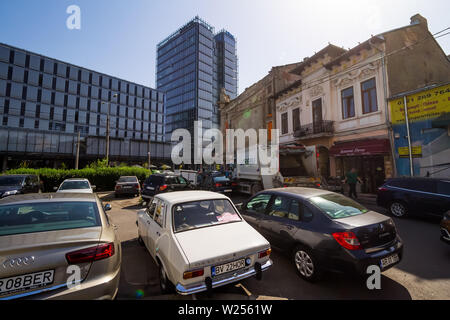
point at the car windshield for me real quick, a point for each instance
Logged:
(337, 206)
(41, 217)
(74, 185)
(127, 179)
(11, 181)
(199, 214)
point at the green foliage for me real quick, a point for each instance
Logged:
(100, 163)
(104, 178)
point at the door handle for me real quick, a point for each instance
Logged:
(288, 226)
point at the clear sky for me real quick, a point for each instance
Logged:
(119, 37)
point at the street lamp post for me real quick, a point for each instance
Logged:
(107, 128)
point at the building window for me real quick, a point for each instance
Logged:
(284, 123)
(369, 96)
(348, 103)
(296, 119)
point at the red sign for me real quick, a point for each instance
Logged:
(361, 148)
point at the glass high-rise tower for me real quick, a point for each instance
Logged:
(193, 65)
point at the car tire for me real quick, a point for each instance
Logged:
(256, 188)
(164, 283)
(398, 209)
(141, 242)
(306, 264)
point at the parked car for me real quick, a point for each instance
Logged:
(162, 183)
(217, 183)
(324, 231)
(200, 241)
(416, 196)
(128, 186)
(75, 185)
(42, 235)
(445, 228)
(13, 184)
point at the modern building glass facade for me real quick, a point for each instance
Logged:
(44, 103)
(193, 65)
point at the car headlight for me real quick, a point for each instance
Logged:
(9, 193)
(447, 216)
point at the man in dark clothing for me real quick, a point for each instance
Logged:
(351, 179)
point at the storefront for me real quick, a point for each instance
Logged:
(371, 158)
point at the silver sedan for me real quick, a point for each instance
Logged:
(57, 246)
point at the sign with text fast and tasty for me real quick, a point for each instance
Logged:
(424, 105)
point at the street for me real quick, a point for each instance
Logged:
(423, 273)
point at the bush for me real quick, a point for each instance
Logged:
(103, 178)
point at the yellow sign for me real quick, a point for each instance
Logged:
(422, 106)
(403, 152)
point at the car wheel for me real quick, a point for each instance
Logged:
(141, 242)
(256, 188)
(164, 282)
(305, 264)
(398, 209)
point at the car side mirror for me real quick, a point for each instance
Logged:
(55, 188)
(93, 187)
(107, 207)
(239, 206)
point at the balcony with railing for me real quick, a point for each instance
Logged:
(316, 129)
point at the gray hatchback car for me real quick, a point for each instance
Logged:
(57, 246)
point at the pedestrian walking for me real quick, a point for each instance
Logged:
(352, 179)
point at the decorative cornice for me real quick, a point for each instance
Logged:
(350, 77)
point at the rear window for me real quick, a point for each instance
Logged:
(200, 214)
(337, 206)
(127, 179)
(40, 217)
(11, 181)
(221, 179)
(155, 180)
(74, 185)
(443, 187)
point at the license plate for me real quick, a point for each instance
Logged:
(228, 190)
(26, 282)
(389, 260)
(127, 187)
(228, 267)
(150, 188)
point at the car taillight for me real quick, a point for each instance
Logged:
(348, 240)
(264, 253)
(137, 186)
(99, 252)
(234, 184)
(118, 187)
(162, 188)
(382, 189)
(218, 185)
(193, 274)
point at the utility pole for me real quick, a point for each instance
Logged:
(77, 159)
(408, 132)
(107, 128)
(149, 154)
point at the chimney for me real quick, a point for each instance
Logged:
(418, 19)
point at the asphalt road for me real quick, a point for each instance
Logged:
(424, 272)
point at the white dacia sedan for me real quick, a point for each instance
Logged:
(200, 241)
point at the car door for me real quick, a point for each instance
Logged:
(275, 224)
(255, 209)
(155, 229)
(145, 223)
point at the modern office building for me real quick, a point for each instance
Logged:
(193, 65)
(44, 103)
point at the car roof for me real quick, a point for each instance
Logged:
(76, 179)
(300, 192)
(50, 197)
(127, 177)
(188, 196)
(418, 179)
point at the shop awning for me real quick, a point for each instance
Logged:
(361, 148)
